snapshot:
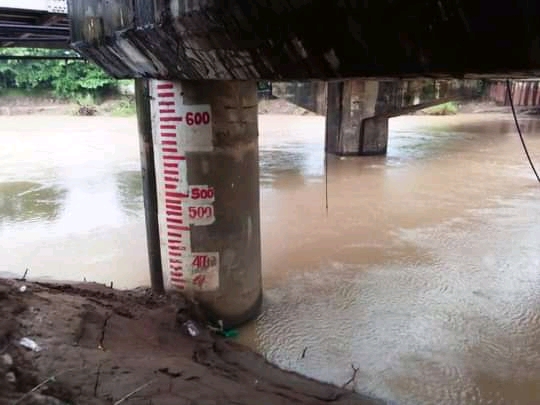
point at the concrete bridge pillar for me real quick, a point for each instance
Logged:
(205, 138)
(352, 127)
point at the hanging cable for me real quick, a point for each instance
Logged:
(326, 178)
(509, 92)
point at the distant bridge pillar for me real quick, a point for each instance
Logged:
(352, 127)
(205, 138)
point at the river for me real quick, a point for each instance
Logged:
(424, 273)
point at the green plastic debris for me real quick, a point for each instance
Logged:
(220, 330)
(231, 333)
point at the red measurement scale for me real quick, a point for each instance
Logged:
(179, 129)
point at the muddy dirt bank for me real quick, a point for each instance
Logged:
(102, 346)
(51, 106)
(45, 106)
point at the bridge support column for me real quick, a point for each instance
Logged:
(148, 171)
(351, 125)
(206, 146)
(374, 135)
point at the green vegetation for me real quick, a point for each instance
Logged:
(124, 108)
(14, 93)
(449, 108)
(73, 81)
(64, 78)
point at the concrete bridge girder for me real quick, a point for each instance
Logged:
(358, 110)
(285, 39)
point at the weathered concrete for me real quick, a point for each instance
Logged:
(374, 136)
(349, 104)
(358, 110)
(207, 136)
(232, 168)
(148, 171)
(308, 39)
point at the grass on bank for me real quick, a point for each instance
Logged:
(113, 105)
(450, 108)
(123, 106)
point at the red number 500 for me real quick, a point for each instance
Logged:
(201, 212)
(202, 193)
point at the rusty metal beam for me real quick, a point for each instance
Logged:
(25, 29)
(33, 28)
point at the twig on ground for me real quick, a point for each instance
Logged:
(304, 353)
(4, 349)
(127, 396)
(355, 370)
(41, 384)
(103, 328)
(23, 278)
(96, 384)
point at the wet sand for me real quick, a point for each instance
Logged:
(99, 346)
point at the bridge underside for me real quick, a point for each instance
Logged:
(309, 39)
(33, 28)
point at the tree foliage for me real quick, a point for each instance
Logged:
(65, 78)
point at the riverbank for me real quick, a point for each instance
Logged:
(43, 105)
(475, 107)
(98, 345)
(125, 106)
(115, 107)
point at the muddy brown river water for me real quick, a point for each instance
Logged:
(424, 273)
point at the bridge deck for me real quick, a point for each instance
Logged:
(309, 39)
(286, 39)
